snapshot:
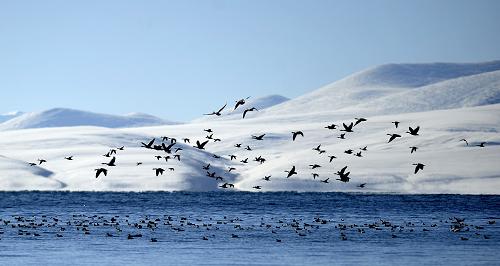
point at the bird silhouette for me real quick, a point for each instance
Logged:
(325, 181)
(260, 137)
(99, 171)
(267, 178)
(396, 123)
(314, 166)
(121, 148)
(342, 136)
(240, 102)
(314, 175)
(186, 140)
(249, 110)
(201, 146)
(69, 158)
(413, 149)
(218, 113)
(332, 157)
(206, 167)
(296, 133)
(257, 187)
(111, 163)
(332, 126)
(317, 148)
(481, 144)
(418, 166)
(237, 145)
(344, 177)
(362, 185)
(159, 171)
(413, 131)
(232, 157)
(393, 137)
(364, 148)
(291, 172)
(149, 145)
(248, 148)
(209, 130)
(467, 143)
(359, 120)
(347, 128)
(40, 161)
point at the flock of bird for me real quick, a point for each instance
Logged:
(161, 227)
(167, 150)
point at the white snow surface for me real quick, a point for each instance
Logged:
(65, 117)
(457, 102)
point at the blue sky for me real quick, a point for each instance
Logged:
(179, 59)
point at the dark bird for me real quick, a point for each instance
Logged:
(358, 154)
(244, 161)
(296, 133)
(364, 148)
(112, 151)
(332, 157)
(201, 146)
(107, 155)
(159, 171)
(349, 151)
(267, 178)
(121, 148)
(164, 138)
(209, 130)
(233, 157)
(332, 126)
(217, 113)
(481, 144)
(171, 169)
(40, 161)
(231, 169)
(101, 170)
(317, 148)
(413, 149)
(467, 143)
(158, 157)
(178, 149)
(237, 145)
(393, 137)
(149, 145)
(240, 102)
(347, 128)
(177, 156)
(211, 136)
(260, 137)
(206, 167)
(186, 140)
(138, 163)
(210, 174)
(70, 158)
(342, 136)
(217, 140)
(362, 185)
(314, 175)
(112, 162)
(418, 166)
(344, 177)
(257, 187)
(359, 120)
(314, 166)
(396, 123)
(325, 181)
(32, 164)
(291, 172)
(167, 158)
(413, 131)
(248, 148)
(249, 110)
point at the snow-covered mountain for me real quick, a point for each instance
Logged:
(9, 115)
(393, 79)
(449, 102)
(64, 117)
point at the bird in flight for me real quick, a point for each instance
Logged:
(413, 131)
(260, 137)
(267, 178)
(257, 187)
(325, 181)
(413, 149)
(218, 113)
(362, 185)
(332, 126)
(296, 133)
(332, 157)
(344, 177)
(201, 146)
(112, 162)
(396, 123)
(69, 158)
(393, 137)
(481, 144)
(342, 136)
(240, 102)
(314, 175)
(249, 110)
(159, 171)
(99, 171)
(418, 166)
(359, 120)
(347, 128)
(149, 145)
(314, 166)
(40, 161)
(291, 172)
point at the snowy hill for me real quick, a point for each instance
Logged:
(10, 115)
(449, 102)
(62, 117)
(378, 82)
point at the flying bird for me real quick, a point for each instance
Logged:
(159, 171)
(249, 110)
(218, 113)
(347, 128)
(314, 166)
(413, 149)
(296, 133)
(291, 172)
(112, 162)
(467, 143)
(332, 157)
(332, 126)
(260, 137)
(325, 181)
(362, 185)
(240, 102)
(481, 144)
(40, 161)
(267, 178)
(418, 166)
(201, 146)
(344, 177)
(69, 158)
(101, 170)
(413, 131)
(396, 123)
(359, 120)
(393, 137)
(149, 145)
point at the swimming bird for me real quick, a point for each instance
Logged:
(393, 137)
(201, 146)
(112, 162)
(467, 143)
(249, 110)
(159, 171)
(218, 113)
(347, 128)
(359, 120)
(396, 123)
(99, 171)
(296, 133)
(291, 172)
(418, 166)
(413, 149)
(260, 137)
(413, 131)
(69, 158)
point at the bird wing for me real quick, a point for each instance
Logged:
(220, 110)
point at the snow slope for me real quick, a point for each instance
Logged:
(447, 108)
(9, 115)
(63, 117)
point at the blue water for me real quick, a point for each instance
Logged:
(244, 229)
